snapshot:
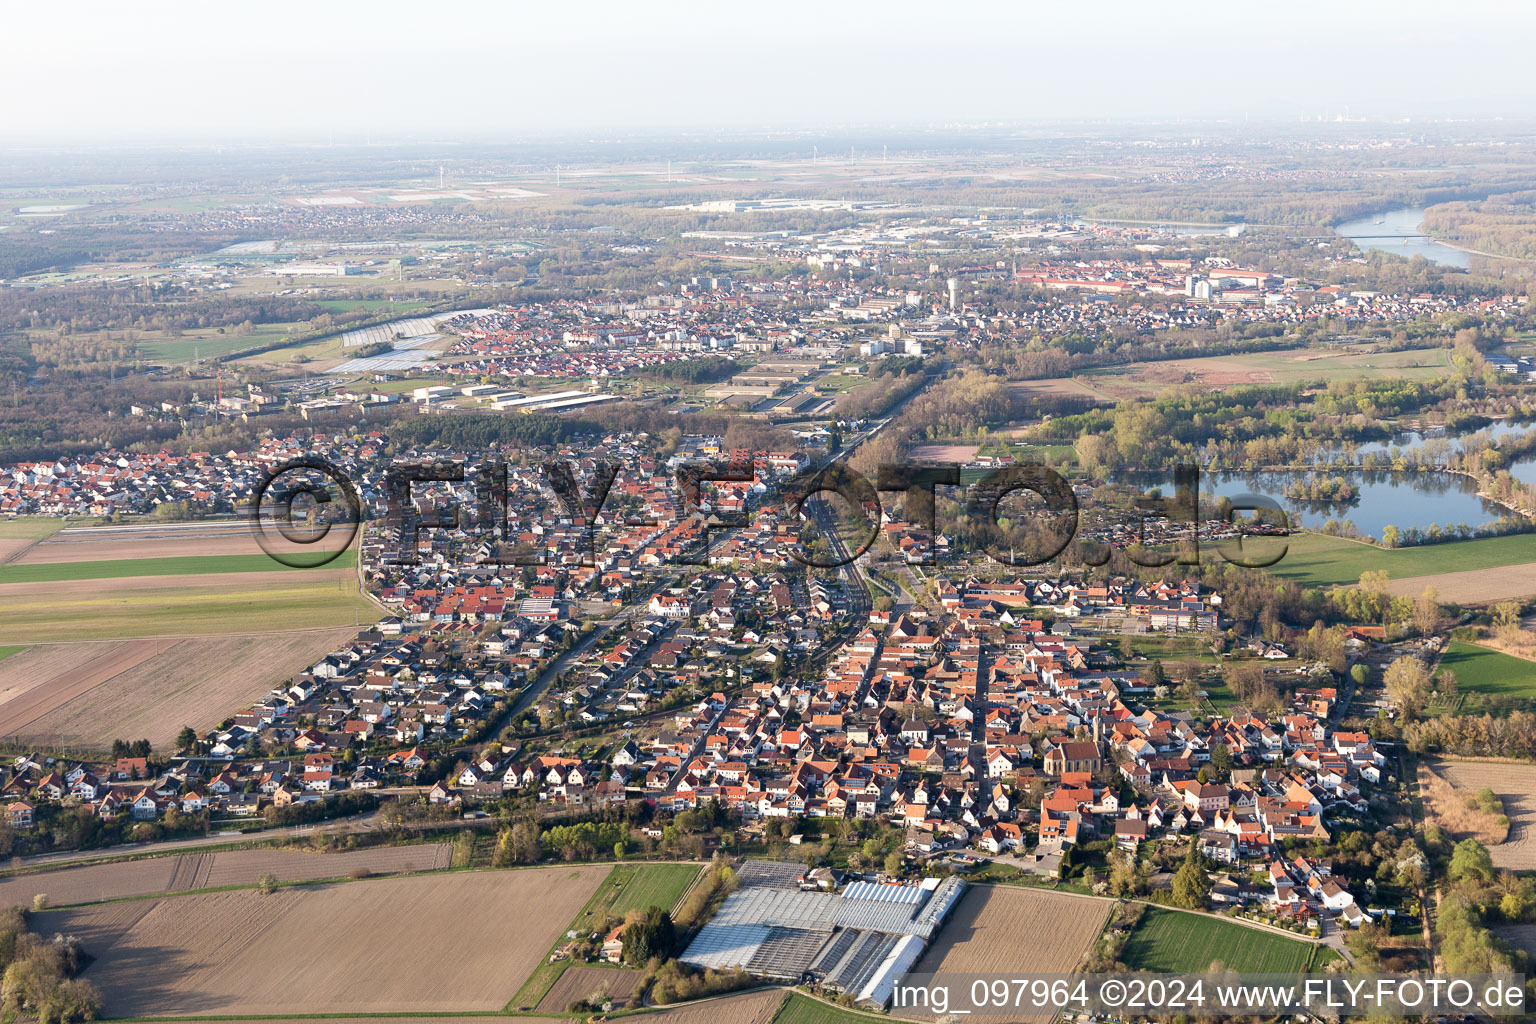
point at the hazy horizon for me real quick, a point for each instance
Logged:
(354, 73)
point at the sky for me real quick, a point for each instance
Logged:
(381, 70)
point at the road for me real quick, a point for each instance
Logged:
(532, 692)
(365, 822)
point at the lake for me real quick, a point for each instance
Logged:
(1397, 232)
(1496, 431)
(1397, 499)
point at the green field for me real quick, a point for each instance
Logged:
(7, 651)
(371, 305)
(121, 568)
(1490, 672)
(655, 885)
(30, 527)
(311, 599)
(410, 384)
(209, 343)
(1315, 560)
(802, 1009)
(1176, 942)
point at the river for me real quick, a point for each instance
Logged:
(1397, 232)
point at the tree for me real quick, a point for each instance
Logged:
(1192, 883)
(1407, 683)
(266, 884)
(1506, 621)
(1426, 612)
(187, 738)
(648, 934)
(1470, 860)
(893, 863)
(1221, 758)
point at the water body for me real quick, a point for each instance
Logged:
(1398, 499)
(1524, 470)
(1397, 232)
(1497, 431)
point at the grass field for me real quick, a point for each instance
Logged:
(208, 343)
(802, 1009)
(1318, 561)
(1176, 942)
(10, 649)
(372, 305)
(251, 602)
(30, 527)
(1481, 670)
(655, 885)
(188, 565)
(395, 387)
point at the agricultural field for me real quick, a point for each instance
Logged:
(655, 885)
(149, 876)
(27, 571)
(1218, 373)
(745, 1008)
(1515, 785)
(180, 606)
(1521, 936)
(90, 693)
(594, 984)
(1053, 387)
(1177, 942)
(18, 535)
(625, 887)
(146, 541)
(944, 453)
(1001, 929)
(339, 948)
(1316, 560)
(1484, 671)
(390, 1019)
